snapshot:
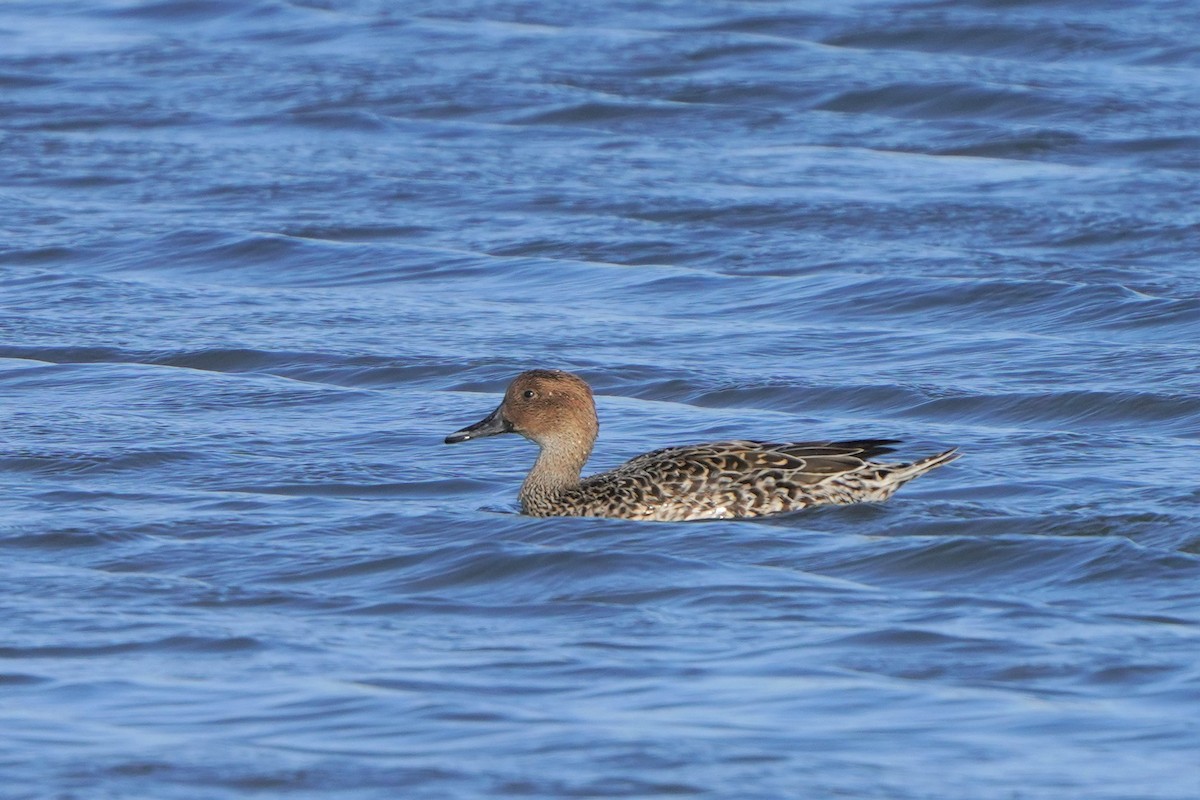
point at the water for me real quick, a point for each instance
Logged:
(259, 257)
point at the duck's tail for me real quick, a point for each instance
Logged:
(906, 472)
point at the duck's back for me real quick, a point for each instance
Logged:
(741, 479)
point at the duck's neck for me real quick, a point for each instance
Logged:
(556, 471)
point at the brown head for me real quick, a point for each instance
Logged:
(547, 406)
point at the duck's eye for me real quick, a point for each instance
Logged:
(529, 394)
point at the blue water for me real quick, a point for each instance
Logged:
(259, 257)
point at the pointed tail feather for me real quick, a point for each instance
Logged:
(906, 472)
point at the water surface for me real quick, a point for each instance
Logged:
(260, 257)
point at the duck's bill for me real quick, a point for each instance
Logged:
(491, 425)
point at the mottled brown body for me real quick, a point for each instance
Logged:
(720, 480)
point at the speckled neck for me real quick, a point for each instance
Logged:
(555, 472)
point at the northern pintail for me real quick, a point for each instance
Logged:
(720, 480)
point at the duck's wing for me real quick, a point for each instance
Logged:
(741, 461)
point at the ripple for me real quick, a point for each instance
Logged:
(190, 644)
(942, 100)
(1034, 40)
(1121, 410)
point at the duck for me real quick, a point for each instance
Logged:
(720, 480)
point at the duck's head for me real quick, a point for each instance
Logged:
(548, 406)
